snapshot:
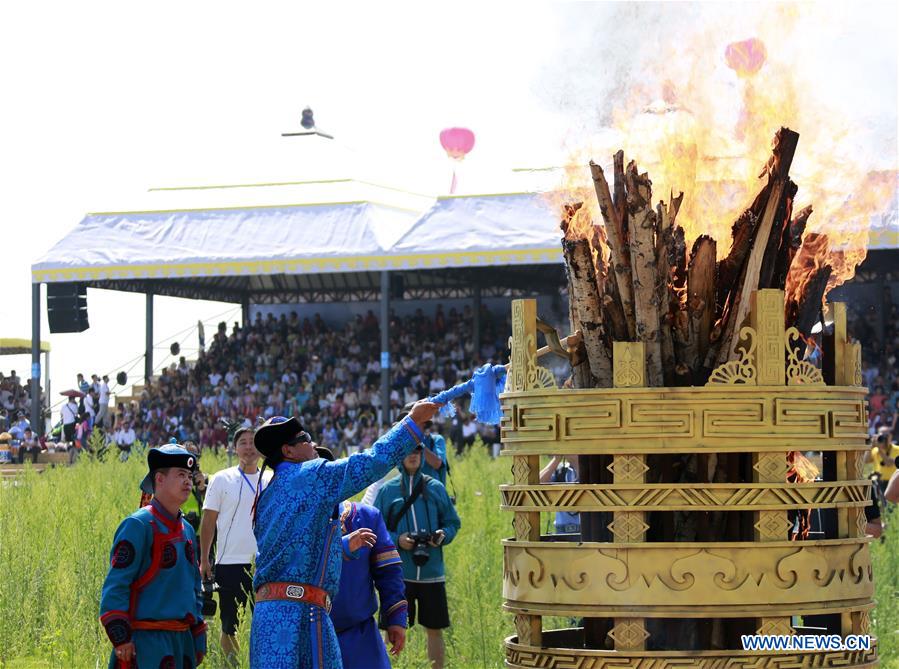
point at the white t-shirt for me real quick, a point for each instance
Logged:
(232, 497)
(69, 413)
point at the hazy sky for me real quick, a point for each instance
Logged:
(103, 100)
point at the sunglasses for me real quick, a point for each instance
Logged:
(301, 438)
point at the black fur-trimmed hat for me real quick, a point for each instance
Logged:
(162, 457)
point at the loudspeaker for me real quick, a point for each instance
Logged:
(67, 307)
(397, 286)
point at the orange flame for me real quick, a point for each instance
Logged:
(701, 119)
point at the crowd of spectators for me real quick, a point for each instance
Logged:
(328, 377)
(880, 367)
(15, 402)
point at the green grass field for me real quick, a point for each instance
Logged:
(56, 529)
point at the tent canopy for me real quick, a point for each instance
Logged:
(20, 346)
(223, 243)
(482, 230)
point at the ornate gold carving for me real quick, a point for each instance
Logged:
(775, 627)
(521, 470)
(544, 379)
(683, 420)
(777, 573)
(628, 468)
(525, 626)
(529, 657)
(522, 526)
(524, 373)
(861, 622)
(853, 361)
(523, 345)
(749, 405)
(629, 364)
(858, 464)
(772, 525)
(799, 372)
(629, 634)
(772, 467)
(742, 370)
(628, 527)
(857, 522)
(685, 497)
(767, 319)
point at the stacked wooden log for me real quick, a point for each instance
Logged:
(631, 279)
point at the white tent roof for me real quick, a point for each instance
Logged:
(321, 238)
(478, 230)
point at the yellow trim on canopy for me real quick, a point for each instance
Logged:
(20, 346)
(301, 266)
(252, 207)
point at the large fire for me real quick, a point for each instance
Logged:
(701, 123)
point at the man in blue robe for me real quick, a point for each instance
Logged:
(367, 569)
(298, 537)
(151, 604)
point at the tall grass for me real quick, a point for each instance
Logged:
(56, 529)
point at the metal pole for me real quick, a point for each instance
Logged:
(385, 348)
(245, 311)
(47, 379)
(36, 423)
(148, 356)
(477, 323)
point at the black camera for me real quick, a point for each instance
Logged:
(209, 605)
(420, 553)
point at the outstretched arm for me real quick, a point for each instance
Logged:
(344, 478)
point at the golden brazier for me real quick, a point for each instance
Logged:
(768, 403)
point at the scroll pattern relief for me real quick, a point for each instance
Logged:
(767, 319)
(550, 498)
(617, 420)
(555, 658)
(799, 372)
(742, 370)
(787, 573)
(524, 372)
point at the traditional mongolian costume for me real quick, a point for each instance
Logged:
(300, 552)
(152, 592)
(352, 614)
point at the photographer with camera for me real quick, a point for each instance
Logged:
(421, 519)
(227, 509)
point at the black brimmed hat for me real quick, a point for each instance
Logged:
(162, 457)
(274, 433)
(277, 431)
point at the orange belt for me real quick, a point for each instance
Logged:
(161, 625)
(294, 592)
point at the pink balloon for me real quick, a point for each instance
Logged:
(746, 57)
(457, 142)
